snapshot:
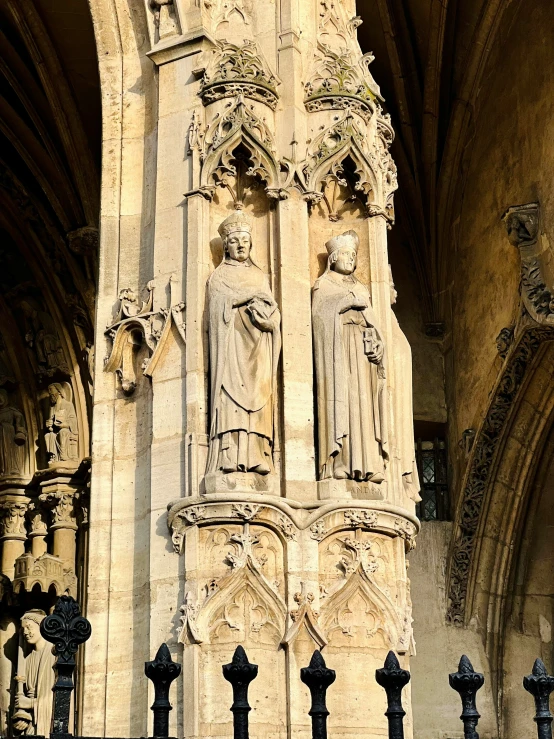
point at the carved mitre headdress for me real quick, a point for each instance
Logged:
(35, 614)
(237, 221)
(348, 238)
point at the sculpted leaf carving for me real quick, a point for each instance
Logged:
(239, 70)
(340, 80)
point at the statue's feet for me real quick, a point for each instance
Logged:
(226, 464)
(340, 473)
(377, 477)
(261, 469)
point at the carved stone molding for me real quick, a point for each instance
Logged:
(236, 126)
(239, 70)
(480, 464)
(285, 520)
(504, 341)
(135, 325)
(304, 616)
(243, 603)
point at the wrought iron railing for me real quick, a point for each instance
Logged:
(66, 629)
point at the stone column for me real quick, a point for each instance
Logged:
(267, 110)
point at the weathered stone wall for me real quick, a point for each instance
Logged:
(508, 161)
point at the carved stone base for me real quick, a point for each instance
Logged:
(350, 489)
(238, 482)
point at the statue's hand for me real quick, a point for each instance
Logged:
(353, 302)
(261, 322)
(22, 701)
(49, 424)
(376, 355)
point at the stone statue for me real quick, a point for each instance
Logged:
(62, 433)
(245, 343)
(349, 351)
(42, 337)
(13, 434)
(403, 404)
(35, 680)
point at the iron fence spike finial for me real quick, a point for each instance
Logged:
(318, 677)
(393, 679)
(162, 670)
(240, 673)
(239, 656)
(466, 682)
(317, 660)
(391, 662)
(539, 667)
(465, 665)
(540, 684)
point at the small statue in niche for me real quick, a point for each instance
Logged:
(350, 377)
(34, 698)
(245, 343)
(62, 433)
(42, 338)
(13, 434)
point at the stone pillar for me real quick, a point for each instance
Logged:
(268, 111)
(12, 531)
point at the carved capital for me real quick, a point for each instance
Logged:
(12, 519)
(62, 507)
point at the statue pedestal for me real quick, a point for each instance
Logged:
(238, 482)
(350, 489)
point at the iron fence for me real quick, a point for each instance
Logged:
(67, 629)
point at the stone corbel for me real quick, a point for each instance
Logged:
(136, 325)
(537, 277)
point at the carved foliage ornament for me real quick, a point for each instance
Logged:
(340, 80)
(239, 70)
(136, 324)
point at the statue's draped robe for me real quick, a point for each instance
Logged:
(243, 367)
(403, 410)
(11, 423)
(61, 442)
(352, 428)
(39, 681)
